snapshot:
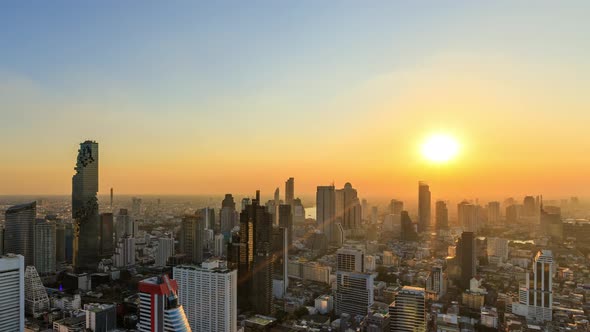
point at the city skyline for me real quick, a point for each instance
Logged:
(341, 94)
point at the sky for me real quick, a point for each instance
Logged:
(189, 97)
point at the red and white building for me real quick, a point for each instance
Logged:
(159, 310)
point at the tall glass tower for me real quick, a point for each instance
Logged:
(85, 207)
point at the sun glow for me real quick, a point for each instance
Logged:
(440, 148)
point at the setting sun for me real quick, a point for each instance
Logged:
(440, 148)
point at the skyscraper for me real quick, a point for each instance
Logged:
(286, 221)
(192, 236)
(298, 212)
(159, 309)
(442, 215)
(408, 232)
(437, 282)
(208, 216)
(228, 215)
(348, 207)
(468, 215)
(106, 247)
(529, 207)
(124, 255)
(19, 236)
(350, 260)
(124, 225)
(424, 208)
(326, 210)
(12, 293)
(44, 246)
(536, 295)
(408, 311)
(396, 207)
(208, 294)
(466, 258)
(354, 287)
(36, 299)
(85, 207)
(493, 213)
(255, 258)
(289, 191)
(165, 250)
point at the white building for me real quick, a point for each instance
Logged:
(36, 299)
(165, 250)
(12, 293)
(209, 295)
(124, 252)
(354, 293)
(350, 259)
(497, 249)
(536, 295)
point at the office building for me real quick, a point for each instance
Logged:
(289, 191)
(208, 294)
(326, 210)
(497, 250)
(44, 246)
(536, 295)
(493, 213)
(18, 231)
(106, 246)
(354, 293)
(551, 224)
(136, 206)
(529, 207)
(408, 311)
(124, 255)
(159, 308)
(85, 207)
(466, 258)
(350, 260)
(298, 212)
(286, 221)
(36, 299)
(165, 250)
(348, 209)
(124, 225)
(393, 223)
(396, 207)
(442, 215)
(12, 293)
(436, 282)
(468, 216)
(100, 317)
(192, 238)
(424, 208)
(256, 257)
(60, 242)
(408, 230)
(228, 215)
(219, 245)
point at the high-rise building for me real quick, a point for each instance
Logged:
(19, 236)
(408, 232)
(529, 207)
(85, 207)
(255, 258)
(437, 282)
(106, 247)
(60, 242)
(497, 250)
(466, 258)
(551, 224)
(493, 213)
(326, 210)
(424, 207)
(208, 294)
(44, 246)
(289, 191)
(286, 221)
(408, 311)
(159, 308)
(298, 212)
(100, 317)
(165, 250)
(396, 207)
(442, 215)
(136, 206)
(354, 293)
(192, 237)
(374, 214)
(228, 215)
(36, 299)
(536, 295)
(219, 245)
(208, 216)
(513, 213)
(124, 255)
(12, 293)
(124, 225)
(348, 209)
(350, 260)
(468, 216)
